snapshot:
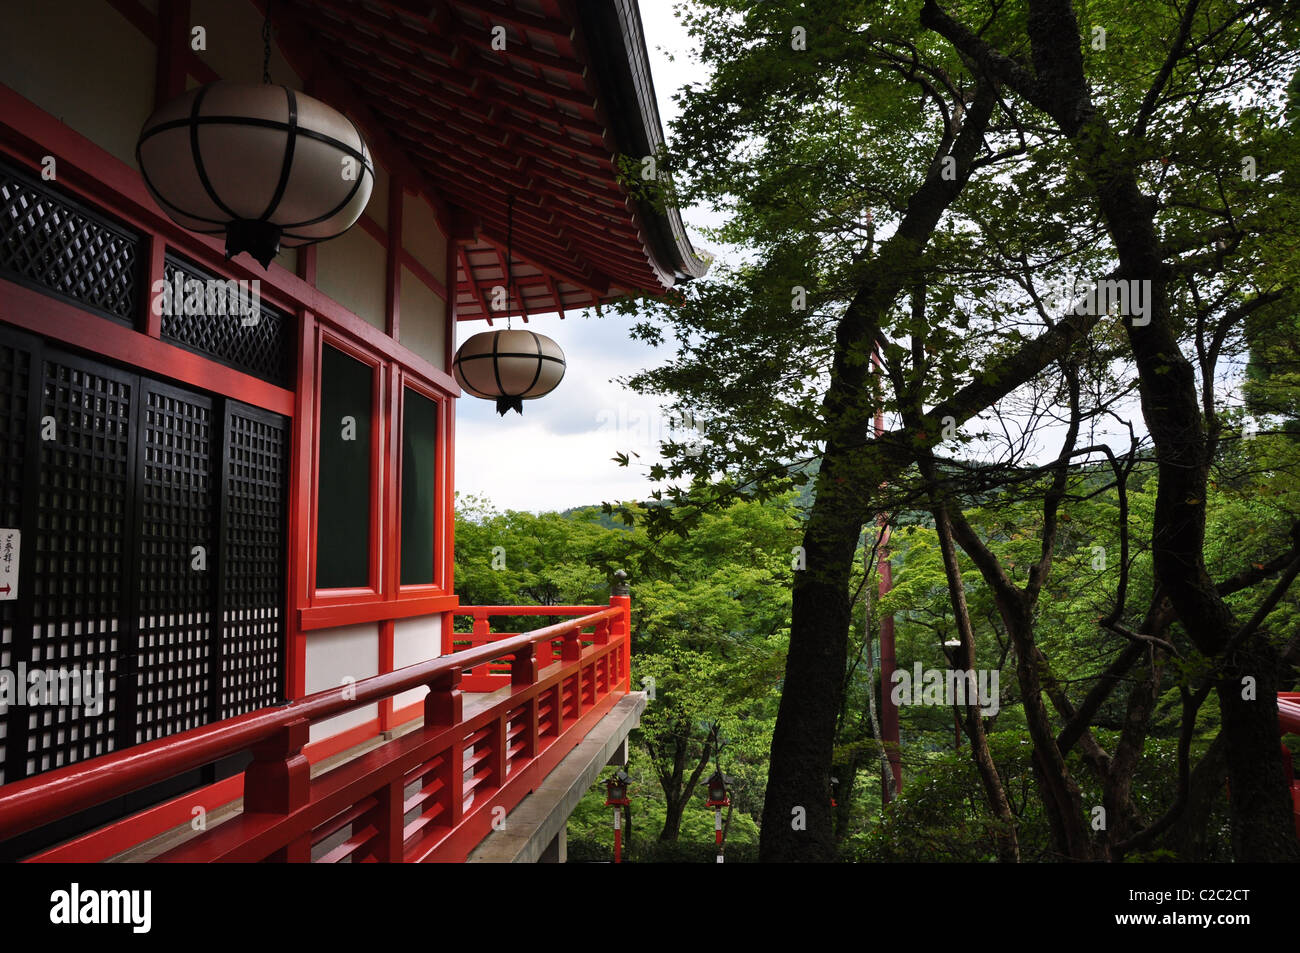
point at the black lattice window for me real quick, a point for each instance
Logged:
(50, 242)
(177, 565)
(260, 344)
(80, 553)
(152, 524)
(15, 381)
(257, 451)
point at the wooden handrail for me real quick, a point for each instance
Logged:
(30, 803)
(487, 611)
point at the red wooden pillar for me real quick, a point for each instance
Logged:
(499, 756)
(572, 650)
(557, 710)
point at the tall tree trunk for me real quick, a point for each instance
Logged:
(796, 810)
(673, 810)
(1007, 841)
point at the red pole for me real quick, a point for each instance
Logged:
(618, 834)
(717, 830)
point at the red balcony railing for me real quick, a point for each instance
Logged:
(431, 794)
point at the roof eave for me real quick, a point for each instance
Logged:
(622, 70)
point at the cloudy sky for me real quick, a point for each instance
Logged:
(559, 452)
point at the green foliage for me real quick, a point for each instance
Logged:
(710, 623)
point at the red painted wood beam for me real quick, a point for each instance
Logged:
(393, 261)
(555, 296)
(473, 285)
(427, 278)
(447, 44)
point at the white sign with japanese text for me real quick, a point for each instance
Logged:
(9, 545)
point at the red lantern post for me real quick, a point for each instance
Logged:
(616, 796)
(718, 799)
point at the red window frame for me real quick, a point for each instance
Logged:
(384, 598)
(375, 588)
(440, 586)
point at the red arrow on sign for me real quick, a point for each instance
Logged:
(4, 589)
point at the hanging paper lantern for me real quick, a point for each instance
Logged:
(509, 367)
(264, 165)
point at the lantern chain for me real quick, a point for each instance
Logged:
(510, 234)
(266, 45)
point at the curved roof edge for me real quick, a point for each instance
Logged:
(623, 74)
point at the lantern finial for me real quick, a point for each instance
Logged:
(259, 239)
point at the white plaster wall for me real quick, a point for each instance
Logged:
(415, 640)
(350, 651)
(422, 237)
(83, 63)
(351, 269)
(424, 320)
(234, 42)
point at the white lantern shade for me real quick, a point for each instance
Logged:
(265, 165)
(509, 367)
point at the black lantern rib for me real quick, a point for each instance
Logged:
(538, 373)
(287, 165)
(356, 184)
(197, 156)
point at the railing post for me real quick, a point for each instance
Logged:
(523, 670)
(278, 781)
(443, 705)
(481, 635)
(572, 650)
(443, 708)
(621, 597)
